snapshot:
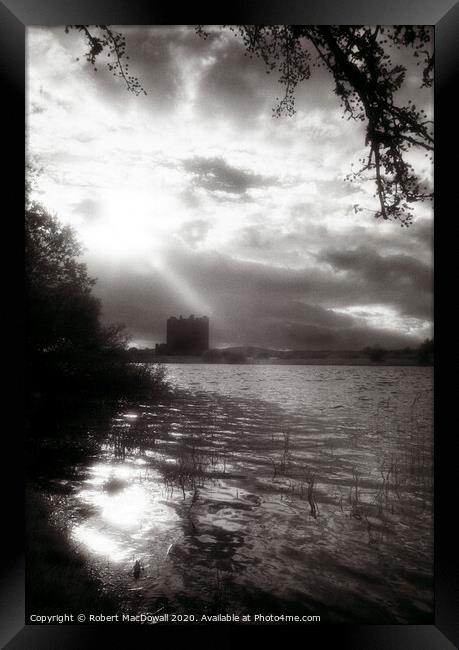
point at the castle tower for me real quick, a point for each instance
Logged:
(187, 336)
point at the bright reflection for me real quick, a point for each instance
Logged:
(102, 472)
(99, 543)
(126, 497)
(125, 509)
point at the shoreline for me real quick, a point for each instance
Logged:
(287, 362)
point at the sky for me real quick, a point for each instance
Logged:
(195, 199)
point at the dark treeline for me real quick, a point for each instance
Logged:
(71, 355)
(421, 355)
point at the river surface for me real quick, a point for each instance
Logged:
(265, 489)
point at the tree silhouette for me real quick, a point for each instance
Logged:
(66, 340)
(366, 82)
(426, 351)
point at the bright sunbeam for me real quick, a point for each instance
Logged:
(181, 287)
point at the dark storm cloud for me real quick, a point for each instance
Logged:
(288, 244)
(399, 281)
(254, 304)
(367, 265)
(423, 233)
(304, 336)
(260, 284)
(158, 56)
(233, 88)
(292, 236)
(305, 231)
(155, 64)
(145, 304)
(238, 88)
(216, 175)
(142, 303)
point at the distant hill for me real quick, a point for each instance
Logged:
(375, 355)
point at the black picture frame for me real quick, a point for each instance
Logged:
(15, 17)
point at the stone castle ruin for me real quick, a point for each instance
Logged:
(185, 336)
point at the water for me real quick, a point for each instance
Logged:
(264, 488)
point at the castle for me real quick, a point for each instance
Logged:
(185, 336)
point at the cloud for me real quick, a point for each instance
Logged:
(368, 266)
(255, 304)
(217, 175)
(193, 233)
(399, 281)
(195, 199)
(88, 209)
(234, 87)
(313, 337)
(36, 109)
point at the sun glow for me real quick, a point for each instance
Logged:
(131, 226)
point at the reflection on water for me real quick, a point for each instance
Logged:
(267, 488)
(96, 541)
